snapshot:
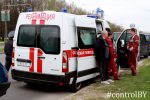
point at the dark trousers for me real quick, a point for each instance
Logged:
(8, 62)
(103, 69)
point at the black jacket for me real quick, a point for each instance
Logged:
(8, 48)
(101, 50)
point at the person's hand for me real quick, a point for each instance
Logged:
(115, 59)
(128, 47)
(131, 49)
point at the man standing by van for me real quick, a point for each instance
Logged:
(102, 55)
(133, 51)
(8, 49)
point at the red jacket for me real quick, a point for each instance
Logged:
(133, 44)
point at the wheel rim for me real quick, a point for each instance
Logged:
(78, 86)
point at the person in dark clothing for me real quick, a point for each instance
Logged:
(102, 56)
(8, 49)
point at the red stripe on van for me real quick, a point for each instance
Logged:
(39, 62)
(85, 52)
(31, 56)
(42, 22)
(33, 22)
(81, 53)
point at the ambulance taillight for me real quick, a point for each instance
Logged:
(65, 62)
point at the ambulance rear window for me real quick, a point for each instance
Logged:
(45, 37)
(27, 36)
(50, 39)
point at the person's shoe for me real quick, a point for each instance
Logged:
(109, 80)
(105, 82)
(133, 74)
(116, 77)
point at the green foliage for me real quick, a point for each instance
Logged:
(57, 5)
(115, 28)
(41, 5)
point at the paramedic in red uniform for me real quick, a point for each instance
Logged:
(112, 68)
(133, 51)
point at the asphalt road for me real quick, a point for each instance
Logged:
(21, 91)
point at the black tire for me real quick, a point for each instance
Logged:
(30, 84)
(146, 56)
(75, 87)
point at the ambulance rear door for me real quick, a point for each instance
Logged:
(38, 43)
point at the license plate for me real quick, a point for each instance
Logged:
(24, 64)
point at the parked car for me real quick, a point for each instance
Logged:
(4, 83)
(122, 51)
(144, 50)
(148, 41)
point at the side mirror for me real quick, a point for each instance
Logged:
(122, 43)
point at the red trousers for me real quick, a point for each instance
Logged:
(112, 68)
(132, 61)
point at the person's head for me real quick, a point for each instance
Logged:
(110, 34)
(104, 34)
(11, 35)
(108, 30)
(133, 31)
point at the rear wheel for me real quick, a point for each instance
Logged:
(75, 87)
(30, 84)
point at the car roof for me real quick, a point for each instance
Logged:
(146, 33)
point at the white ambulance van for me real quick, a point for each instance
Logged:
(55, 48)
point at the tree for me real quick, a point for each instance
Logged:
(41, 5)
(115, 28)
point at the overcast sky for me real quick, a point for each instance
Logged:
(121, 12)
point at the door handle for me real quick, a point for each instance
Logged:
(41, 57)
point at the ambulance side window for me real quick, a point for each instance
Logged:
(99, 27)
(27, 36)
(86, 37)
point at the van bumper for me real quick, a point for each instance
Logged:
(60, 80)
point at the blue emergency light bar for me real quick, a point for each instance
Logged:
(65, 10)
(93, 16)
